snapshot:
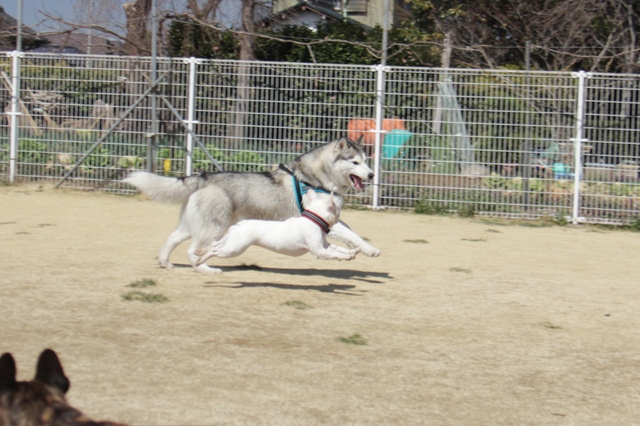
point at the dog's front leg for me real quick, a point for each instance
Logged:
(330, 253)
(343, 233)
(352, 251)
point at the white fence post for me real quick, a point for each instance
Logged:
(577, 146)
(380, 82)
(193, 62)
(15, 113)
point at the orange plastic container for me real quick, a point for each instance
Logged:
(367, 127)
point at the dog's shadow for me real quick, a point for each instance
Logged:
(347, 290)
(343, 274)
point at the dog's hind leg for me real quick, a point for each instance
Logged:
(179, 235)
(210, 214)
(198, 264)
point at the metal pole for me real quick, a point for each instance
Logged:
(153, 135)
(193, 62)
(525, 161)
(15, 98)
(577, 145)
(380, 81)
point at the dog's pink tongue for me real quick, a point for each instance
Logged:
(357, 182)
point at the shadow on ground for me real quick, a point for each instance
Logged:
(347, 290)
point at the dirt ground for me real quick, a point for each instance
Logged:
(466, 321)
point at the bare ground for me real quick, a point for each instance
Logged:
(467, 321)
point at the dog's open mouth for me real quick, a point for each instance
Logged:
(357, 182)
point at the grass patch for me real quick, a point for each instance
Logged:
(354, 339)
(466, 210)
(456, 269)
(551, 326)
(633, 226)
(297, 304)
(419, 241)
(424, 207)
(145, 297)
(146, 282)
(543, 222)
(475, 240)
(535, 224)
(496, 222)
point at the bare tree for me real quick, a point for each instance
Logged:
(137, 41)
(205, 12)
(569, 34)
(247, 36)
(565, 34)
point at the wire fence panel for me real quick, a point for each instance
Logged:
(610, 191)
(481, 141)
(495, 142)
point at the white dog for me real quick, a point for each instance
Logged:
(293, 237)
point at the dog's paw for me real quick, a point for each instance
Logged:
(204, 269)
(370, 251)
(166, 265)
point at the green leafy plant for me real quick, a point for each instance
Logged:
(32, 151)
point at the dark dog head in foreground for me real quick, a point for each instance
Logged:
(41, 401)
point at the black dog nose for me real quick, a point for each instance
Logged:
(371, 176)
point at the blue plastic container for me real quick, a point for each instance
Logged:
(394, 141)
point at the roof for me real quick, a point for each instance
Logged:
(320, 7)
(8, 32)
(76, 42)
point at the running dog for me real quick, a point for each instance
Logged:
(41, 401)
(212, 202)
(293, 237)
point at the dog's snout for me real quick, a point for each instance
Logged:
(371, 176)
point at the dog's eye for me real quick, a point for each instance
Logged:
(355, 163)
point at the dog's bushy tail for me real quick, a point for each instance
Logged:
(168, 190)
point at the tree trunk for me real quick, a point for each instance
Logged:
(445, 63)
(247, 40)
(137, 40)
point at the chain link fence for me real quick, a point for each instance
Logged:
(503, 143)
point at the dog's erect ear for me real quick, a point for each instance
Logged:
(342, 144)
(7, 372)
(49, 371)
(358, 143)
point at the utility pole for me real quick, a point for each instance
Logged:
(15, 98)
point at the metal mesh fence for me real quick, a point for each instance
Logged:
(496, 142)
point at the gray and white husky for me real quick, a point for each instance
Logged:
(212, 202)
